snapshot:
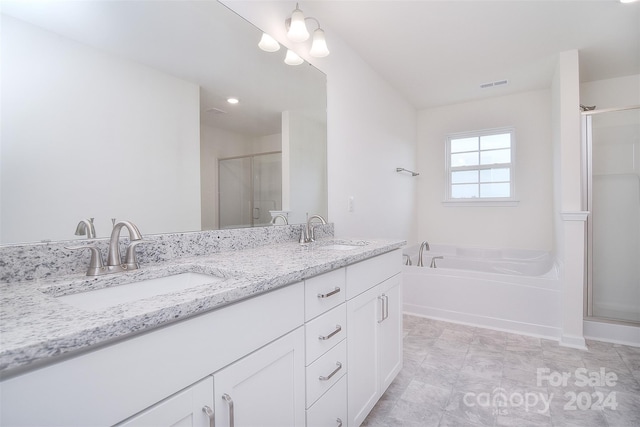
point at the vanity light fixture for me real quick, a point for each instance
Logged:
(296, 27)
(268, 43)
(233, 100)
(297, 32)
(292, 58)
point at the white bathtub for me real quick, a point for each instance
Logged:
(512, 290)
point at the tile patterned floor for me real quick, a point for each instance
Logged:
(458, 376)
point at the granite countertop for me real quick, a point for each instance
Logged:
(36, 327)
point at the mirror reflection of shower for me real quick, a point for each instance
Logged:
(612, 147)
(249, 188)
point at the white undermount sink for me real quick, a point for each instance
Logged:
(100, 299)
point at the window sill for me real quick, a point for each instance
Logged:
(481, 202)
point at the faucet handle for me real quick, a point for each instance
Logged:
(130, 260)
(96, 266)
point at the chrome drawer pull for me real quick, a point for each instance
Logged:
(335, 371)
(326, 337)
(381, 299)
(339, 421)
(212, 419)
(386, 306)
(333, 292)
(229, 401)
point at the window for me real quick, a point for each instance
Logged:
(480, 167)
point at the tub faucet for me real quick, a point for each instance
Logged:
(114, 260)
(308, 234)
(424, 245)
(433, 261)
(408, 261)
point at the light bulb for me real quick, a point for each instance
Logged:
(268, 43)
(298, 29)
(319, 47)
(292, 58)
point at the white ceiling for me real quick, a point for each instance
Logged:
(434, 52)
(440, 52)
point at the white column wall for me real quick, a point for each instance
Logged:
(571, 219)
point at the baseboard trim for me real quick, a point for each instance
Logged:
(539, 331)
(612, 332)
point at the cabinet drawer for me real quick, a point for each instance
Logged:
(326, 371)
(324, 332)
(331, 408)
(368, 273)
(324, 292)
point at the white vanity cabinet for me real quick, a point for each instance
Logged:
(318, 353)
(264, 389)
(192, 407)
(112, 383)
(374, 333)
(326, 349)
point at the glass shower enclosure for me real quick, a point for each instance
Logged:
(611, 140)
(248, 188)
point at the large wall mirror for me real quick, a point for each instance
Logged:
(118, 109)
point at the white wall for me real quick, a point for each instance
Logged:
(611, 93)
(529, 225)
(371, 131)
(77, 127)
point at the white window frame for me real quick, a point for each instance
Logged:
(481, 201)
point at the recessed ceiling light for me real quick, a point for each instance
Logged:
(233, 100)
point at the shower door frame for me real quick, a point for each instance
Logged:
(587, 201)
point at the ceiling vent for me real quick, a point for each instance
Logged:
(493, 84)
(215, 111)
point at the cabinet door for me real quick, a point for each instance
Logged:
(390, 331)
(192, 407)
(331, 409)
(266, 388)
(363, 314)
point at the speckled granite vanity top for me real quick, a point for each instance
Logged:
(35, 325)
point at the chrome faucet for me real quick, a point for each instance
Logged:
(308, 233)
(273, 220)
(424, 245)
(433, 261)
(86, 228)
(115, 263)
(114, 260)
